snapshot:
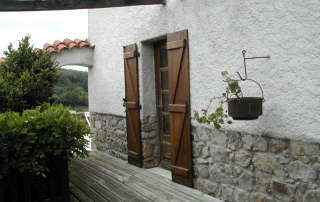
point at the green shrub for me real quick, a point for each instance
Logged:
(27, 77)
(28, 140)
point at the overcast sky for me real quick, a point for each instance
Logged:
(42, 26)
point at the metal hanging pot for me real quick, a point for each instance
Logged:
(245, 108)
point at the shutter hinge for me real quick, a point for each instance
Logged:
(138, 54)
(140, 107)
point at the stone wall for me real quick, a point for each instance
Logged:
(110, 136)
(235, 166)
(150, 142)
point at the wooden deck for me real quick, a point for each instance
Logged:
(102, 177)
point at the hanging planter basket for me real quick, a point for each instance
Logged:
(246, 108)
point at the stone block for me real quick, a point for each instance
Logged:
(260, 197)
(316, 167)
(146, 127)
(204, 134)
(228, 169)
(156, 141)
(267, 163)
(219, 137)
(233, 146)
(227, 192)
(243, 158)
(237, 171)
(153, 119)
(197, 148)
(312, 196)
(156, 151)
(147, 148)
(199, 183)
(97, 124)
(262, 182)
(101, 137)
(303, 148)
(205, 152)
(212, 188)
(299, 171)
(149, 163)
(278, 145)
(301, 189)
(247, 181)
(203, 170)
(240, 195)
(121, 135)
(284, 161)
(283, 191)
(154, 126)
(219, 154)
(145, 120)
(305, 159)
(255, 143)
(118, 145)
(195, 134)
(217, 175)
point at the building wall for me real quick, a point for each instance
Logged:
(237, 166)
(255, 159)
(288, 31)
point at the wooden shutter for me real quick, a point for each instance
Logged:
(179, 88)
(132, 104)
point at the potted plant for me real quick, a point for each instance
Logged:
(239, 107)
(35, 148)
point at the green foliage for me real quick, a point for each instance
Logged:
(27, 77)
(220, 116)
(28, 140)
(72, 88)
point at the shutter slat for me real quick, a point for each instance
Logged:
(176, 44)
(178, 108)
(180, 171)
(133, 155)
(128, 55)
(132, 105)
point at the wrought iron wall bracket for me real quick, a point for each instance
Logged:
(245, 66)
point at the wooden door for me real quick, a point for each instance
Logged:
(162, 90)
(179, 94)
(132, 104)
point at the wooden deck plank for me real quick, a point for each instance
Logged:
(73, 198)
(120, 164)
(143, 197)
(101, 181)
(148, 183)
(102, 177)
(96, 186)
(86, 189)
(77, 193)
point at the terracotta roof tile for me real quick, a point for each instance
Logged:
(58, 46)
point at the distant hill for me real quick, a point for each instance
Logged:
(72, 89)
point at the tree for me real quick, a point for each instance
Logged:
(72, 88)
(27, 77)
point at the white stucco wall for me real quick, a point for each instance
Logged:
(76, 56)
(288, 31)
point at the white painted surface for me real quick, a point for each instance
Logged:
(76, 56)
(288, 31)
